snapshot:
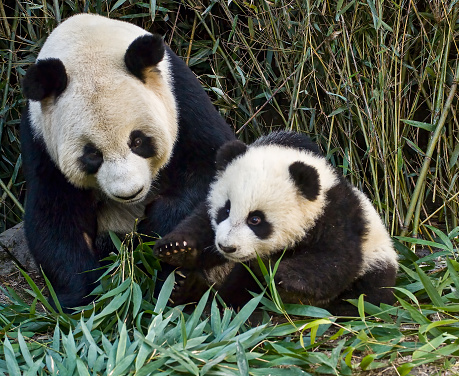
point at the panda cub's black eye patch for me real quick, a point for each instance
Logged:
(91, 160)
(141, 144)
(223, 212)
(257, 222)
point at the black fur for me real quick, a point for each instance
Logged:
(263, 229)
(144, 52)
(228, 152)
(44, 79)
(223, 212)
(319, 270)
(306, 179)
(61, 220)
(91, 160)
(290, 140)
(146, 146)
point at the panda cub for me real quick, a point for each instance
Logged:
(281, 194)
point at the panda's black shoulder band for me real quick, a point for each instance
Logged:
(45, 78)
(144, 52)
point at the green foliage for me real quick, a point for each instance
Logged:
(373, 82)
(127, 332)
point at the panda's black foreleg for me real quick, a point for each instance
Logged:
(60, 224)
(191, 244)
(316, 274)
(375, 284)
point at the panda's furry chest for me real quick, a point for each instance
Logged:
(119, 217)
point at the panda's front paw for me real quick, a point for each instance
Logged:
(176, 251)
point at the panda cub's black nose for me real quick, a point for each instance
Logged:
(227, 249)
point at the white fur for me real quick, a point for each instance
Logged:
(102, 104)
(377, 245)
(260, 180)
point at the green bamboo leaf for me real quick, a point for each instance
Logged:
(121, 350)
(430, 289)
(444, 238)
(34, 369)
(183, 330)
(435, 324)
(242, 361)
(81, 367)
(115, 239)
(24, 350)
(165, 293)
(37, 292)
(136, 299)
(426, 350)
(88, 336)
(427, 243)
(70, 352)
(116, 303)
(10, 358)
(405, 369)
(117, 290)
(427, 126)
(453, 266)
(123, 365)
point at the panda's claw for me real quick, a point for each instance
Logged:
(178, 272)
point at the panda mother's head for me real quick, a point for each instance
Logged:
(100, 98)
(266, 197)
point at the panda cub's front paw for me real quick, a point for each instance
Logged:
(176, 251)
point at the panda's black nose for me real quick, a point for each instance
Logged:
(227, 249)
(126, 198)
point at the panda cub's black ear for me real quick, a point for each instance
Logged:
(306, 179)
(144, 52)
(228, 152)
(44, 79)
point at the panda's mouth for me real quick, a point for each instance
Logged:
(131, 198)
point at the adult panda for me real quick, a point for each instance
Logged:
(280, 195)
(116, 128)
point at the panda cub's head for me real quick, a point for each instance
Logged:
(101, 101)
(268, 195)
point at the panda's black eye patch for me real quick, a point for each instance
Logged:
(91, 160)
(141, 144)
(223, 212)
(257, 222)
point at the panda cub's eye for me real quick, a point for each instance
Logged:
(258, 223)
(223, 212)
(254, 220)
(136, 142)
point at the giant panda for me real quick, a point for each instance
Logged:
(280, 197)
(117, 128)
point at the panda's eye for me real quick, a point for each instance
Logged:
(254, 220)
(258, 223)
(136, 142)
(141, 144)
(223, 212)
(91, 160)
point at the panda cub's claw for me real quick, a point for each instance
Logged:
(176, 251)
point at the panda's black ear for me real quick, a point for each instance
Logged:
(306, 178)
(144, 52)
(44, 79)
(228, 152)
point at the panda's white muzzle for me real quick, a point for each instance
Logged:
(125, 180)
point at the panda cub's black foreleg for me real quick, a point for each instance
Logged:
(189, 244)
(190, 248)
